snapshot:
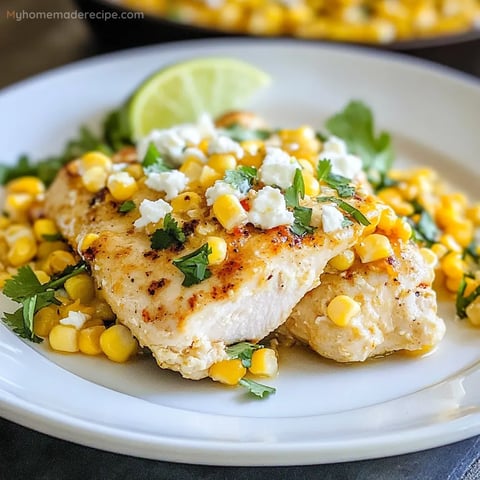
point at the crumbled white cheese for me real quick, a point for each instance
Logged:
(223, 144)
(118, 167)
(195, 153)
(278, 168)
(332, 218)
(172, 183)
(268, 209)
(343, 163)
(173, 141)
(122, 178)
(152, 212)
(220, 187)
(75, 319)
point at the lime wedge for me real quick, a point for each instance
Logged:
(182, 92)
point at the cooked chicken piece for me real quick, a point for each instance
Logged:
(398, 309)
(249, 295)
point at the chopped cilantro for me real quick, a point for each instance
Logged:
(473, 252)
(241, 178)
(153, 161)
(255, 388)
(338, 182)
(116, 131)
(302, 218)
(425, 229)
(346, 222)
(239, 133)
(347, 208)
(170, 234)
(355, 125)
(296, 191)
(194, 265)
(462, 301)
(52, 237)
(127, 206)
(243, 351)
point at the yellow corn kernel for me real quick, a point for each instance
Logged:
(342, 309)
(306, 165)
(44, 226)
(300, 135)
(312, 186)
(387, 220)
(118, 343)
(46, 248)
(103, 310)
(42, 276)
(4, 276)
(30, 185)
(222, 161)
(94, 179)
(59, 260)
(402, 229)
(208, 176)
(430, 258)
(471, 285)
(266, 20)
(64, 338)
(374, 247)
(264, 363)
(135, 170)
(453, 265)
(392, 197)
(439, 250)
(4, 222)
(192, 168)
(229, 211)
(15, 232)
(219, 250)
(80, 287)
(95, 159)
(473, 213)
(462, 230)
(229, 372)
(452, 284)
(89, 339)
(473, 312)
(451, 244)
(75, 306)
(186, 201)
(251, 147)
(93, 322)
(45, 319)
(121, 186)
(203, 145)
(22, 251)
(87, 241)
(343, 261)
(18, 202)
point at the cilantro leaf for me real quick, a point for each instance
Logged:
(243, 351)
(153, 161)
(296, 191)
(425, 230)
(463, 302)
(170, 234)
(338, 182)
(355, 125)
(324, 167)
(347, 208)
(255, 388)
(471, 251)
(194, 265)
(52, 237)
(127, 206)
(24, 284)
(239, 133)
(116, 130)
(241, 178)
(302, 218)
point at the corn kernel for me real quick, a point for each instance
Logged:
(473, 312)
(264, 363)
(22, 251)
(4, 276)
(135, 170)
(95, 159)
(118, 343)
(87, 241)
(209, 176)
(18, 202)
(471, 285)
(219, 250)
(312, 186)
(30, 185)
(44, 226)
(343, 261)
(192, 168)
(229, 211)
(342, 309)
(89, 339)
(452, 265)
(229, 372)
(80, 287)
(374, 247)
(121, 186)
(44, 320)
(430, 258)
(402, 230)
(186, 201)
(4, 222)
(94, 179)
(42, 276)
(46, 248)
(15, 232)
(473, 213)
(221, 162)
(462, 231)
(439, 250)
(59, 260)
(64, 338)
(103, 310)
(450, 243)
(387, 220)
(452, 284)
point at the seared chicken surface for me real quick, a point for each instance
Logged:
(397, 309)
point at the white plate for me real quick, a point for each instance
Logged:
(322, 412)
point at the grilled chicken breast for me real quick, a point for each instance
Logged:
(397, 309)
(265, 274)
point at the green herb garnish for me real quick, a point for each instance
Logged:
(255, 388)
(26, 289)
(296, 191)
(127, 206)
(338, 182)
(302, 215)
(153, 161)
(347, 208)
(302, 218)
(194, 265)
(239, 133)
(471, 251)
(170, 234)
(463, 302)
(241, 178)
(52, 237)
(355, 125)
(243, 351)
(425, 230)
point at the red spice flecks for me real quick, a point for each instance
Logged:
(245, 204)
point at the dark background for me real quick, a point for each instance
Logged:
(32, 46)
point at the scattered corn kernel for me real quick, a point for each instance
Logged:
(473, 312)
(45, 319)
(18, 202)
(94, 179)
(439, 250)
(208, 176)
(264, 363)
(80, 287)
(186, 201)
(42, 276)
(342, 309)
(44, 227)
(343, 261)
(22, 251)
(87, 241)
(430, 258)
(95, 159)
(121, 186)
(46, 248)
(192, 168)
(312, 186)
(374, 247)
(30, 185)
(219, 250)
(221, 162)
(229, 372)
(59, 260)
(64, 338)
(452, 265)
(229, 211)
(118, 343)
(89, 339)
(402, 229)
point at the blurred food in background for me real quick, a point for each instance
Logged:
(364, 21)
